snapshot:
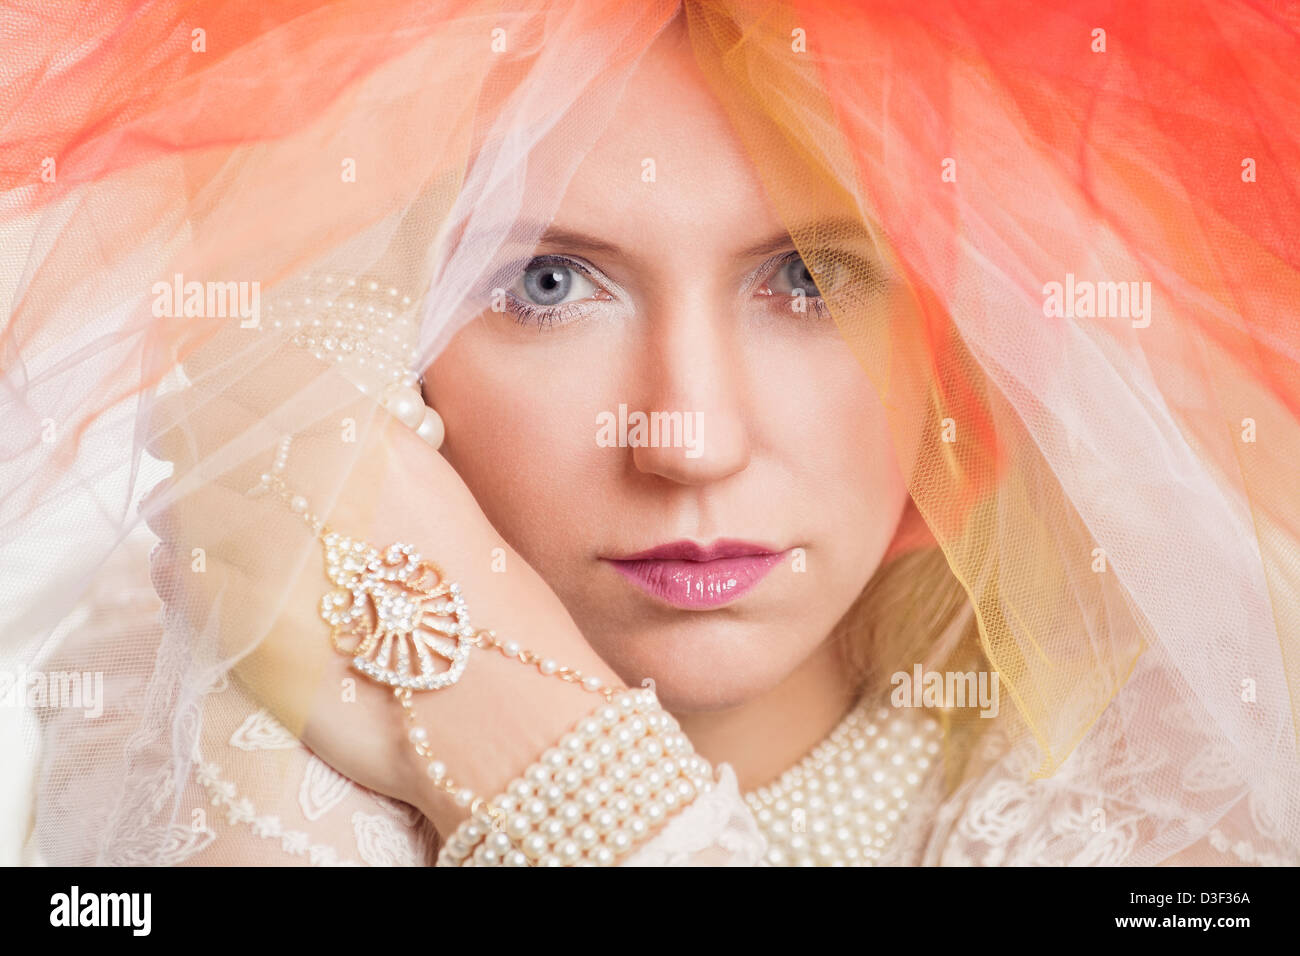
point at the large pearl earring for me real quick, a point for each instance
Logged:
(407, 405)
(432, 429)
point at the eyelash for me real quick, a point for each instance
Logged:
(526, 313)
(772, 266)
(542, 316)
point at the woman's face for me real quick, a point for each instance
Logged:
(772, 491)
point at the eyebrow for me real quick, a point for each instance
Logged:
(840, 229)
(844, 228)
(579, 241)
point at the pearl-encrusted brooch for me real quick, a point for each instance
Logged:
(393, 612)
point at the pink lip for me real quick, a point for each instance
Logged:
(692, 576)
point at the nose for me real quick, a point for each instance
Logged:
(693, 379)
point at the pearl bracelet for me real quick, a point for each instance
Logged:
(589, 800)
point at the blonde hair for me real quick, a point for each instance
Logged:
(915, 611)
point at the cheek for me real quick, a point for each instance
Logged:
(834, 431)
(850, 494)
(517, 433)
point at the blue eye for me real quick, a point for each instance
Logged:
(796, 275)
(546, 282)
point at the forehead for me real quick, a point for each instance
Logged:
(669, 170)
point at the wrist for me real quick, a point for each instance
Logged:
(487, 729)
(608, 784)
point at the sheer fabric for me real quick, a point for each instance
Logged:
(1114, 491)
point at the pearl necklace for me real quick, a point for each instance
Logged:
(842, 803)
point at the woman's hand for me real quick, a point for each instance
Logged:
(256, 596)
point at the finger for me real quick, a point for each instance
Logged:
(185, 428)
(361, 324)
(227, 350)
(318, 464)
(214, 600)
(190, 426)
(215, 525)
(226, 495)
(259, 369)
(221, 439)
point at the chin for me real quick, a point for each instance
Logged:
(702, 666)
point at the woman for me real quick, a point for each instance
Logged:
(882, 459)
